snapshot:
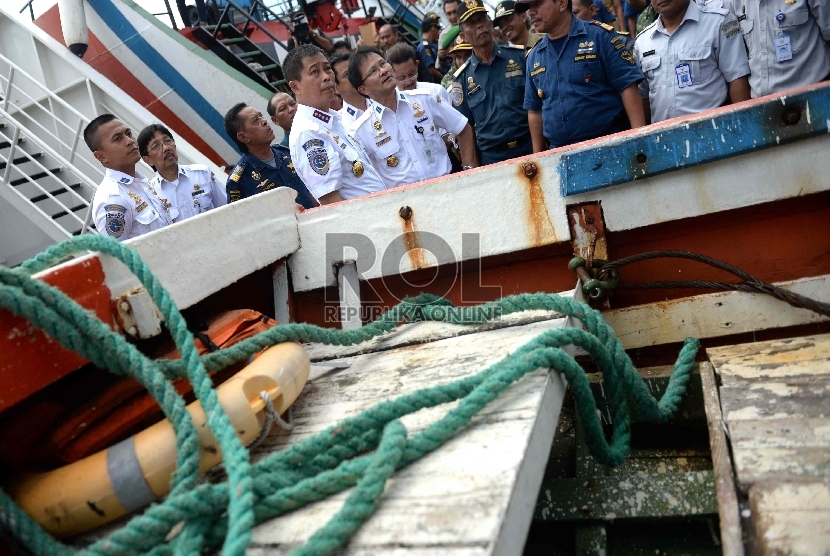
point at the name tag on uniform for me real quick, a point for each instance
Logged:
(684, 75)
(783, 48)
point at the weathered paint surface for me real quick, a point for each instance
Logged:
(774, 398)
(588, 232)
(412, 240)
(700, 139)
(31, 359)
(493, 202)
(472, 495)
(635, 496)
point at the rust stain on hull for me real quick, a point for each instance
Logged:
(539, 223)
(412, 242)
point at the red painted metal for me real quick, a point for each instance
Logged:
(30, 359)
(101, 59)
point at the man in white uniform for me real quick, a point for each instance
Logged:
(787, 41)
(124, 205)
(191, 189)
(400, 130)
(354, 104)
(330, 163)
(692, 57)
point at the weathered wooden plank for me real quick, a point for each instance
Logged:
(475, 494)
(806, 355)
(792, 518)
(775, 398)
(730, 519)
(714, 315)
(758, 464)
(423, 332)
(637, 496)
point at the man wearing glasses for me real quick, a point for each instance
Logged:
(186, 190)
(400, 131)
(330, 163)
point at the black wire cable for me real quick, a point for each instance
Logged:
(748, 284)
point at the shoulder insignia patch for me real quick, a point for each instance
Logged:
(237, 172)
(318, 158)
(730, 28)
(605, 26)
(322, 116)
(456, 94)
(115, 220)
(626, 55)
(235, 195)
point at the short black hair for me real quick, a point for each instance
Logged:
(336, 58)
(147, 135)
(91, 131)
(451, 1)
(400, 53)
(272, 111)
(341, 44)
(292, 66)
(356, 61)
(234, 123)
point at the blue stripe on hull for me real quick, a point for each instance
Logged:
(751, 128)
(157, 63)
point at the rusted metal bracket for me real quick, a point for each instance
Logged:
(590, 249)
(136, 314)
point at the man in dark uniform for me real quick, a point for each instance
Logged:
(428, 47)
(490, 87)
(581, 79)
(262, 167)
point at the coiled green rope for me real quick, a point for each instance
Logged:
(363, 450)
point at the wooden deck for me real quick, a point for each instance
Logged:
(475, 494)
(775, 398)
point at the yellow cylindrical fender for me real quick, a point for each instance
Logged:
(128, 476)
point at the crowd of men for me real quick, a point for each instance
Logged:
(363, 121)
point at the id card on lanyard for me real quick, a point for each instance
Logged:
(783, 44)
(684, 75)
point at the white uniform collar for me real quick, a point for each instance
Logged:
(122, 178)
(692, 13)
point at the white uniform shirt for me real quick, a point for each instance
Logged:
(349, 113)
(436, 89)
(327, 159)
(687, 71)
(405, 145)
(194, 191)
(125, 207)
(803, 57)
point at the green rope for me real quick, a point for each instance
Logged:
(362, 451)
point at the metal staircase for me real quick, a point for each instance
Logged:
(402, 20)
(231, 44)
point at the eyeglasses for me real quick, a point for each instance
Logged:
(154, 147)
(375, 69)
(412, 79)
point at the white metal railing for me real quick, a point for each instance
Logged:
(10, 88)
(66, 166)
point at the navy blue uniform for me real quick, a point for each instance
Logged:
(578, 90)
(491, 98)
(252, 175)
(427, 53)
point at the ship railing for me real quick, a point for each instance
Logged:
(13, 160)
(11, 86)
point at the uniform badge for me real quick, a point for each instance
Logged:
(197, 205)
(256, 175)
(318, 158)
(513, 70)
(115, 221)
(377, 125)
(350, 111)
(626, 55)
(438, 99)
(418, 112)
(357, 168)
(237, 173)
(537, 71)
(456, 94)
(470, 4)
(382, 142)
(124, 180)
(537, 64)
(392, 161)
(470, 83)
(540, 93)
(263, 183)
